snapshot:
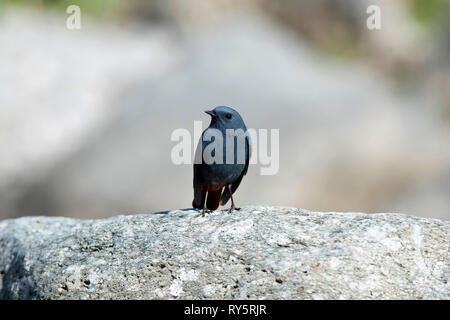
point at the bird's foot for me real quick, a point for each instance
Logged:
(206, 211)
(233, 208)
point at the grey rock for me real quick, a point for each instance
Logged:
(255, 253)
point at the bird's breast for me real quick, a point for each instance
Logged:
(221, 173)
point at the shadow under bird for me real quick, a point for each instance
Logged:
(215, 178)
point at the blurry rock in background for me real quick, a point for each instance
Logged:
(86, 116)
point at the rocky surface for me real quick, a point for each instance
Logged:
(255, 253)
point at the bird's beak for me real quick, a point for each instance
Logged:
(211, 113)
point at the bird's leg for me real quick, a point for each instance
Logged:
(205, 210)
(232, 201)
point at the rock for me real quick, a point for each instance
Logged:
(255, 253)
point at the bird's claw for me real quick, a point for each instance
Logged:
(206, 211)
(233, 208)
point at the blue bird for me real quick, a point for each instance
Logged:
(217, 176)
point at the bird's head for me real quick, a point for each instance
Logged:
(226, 117)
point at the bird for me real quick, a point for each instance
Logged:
(215, 182)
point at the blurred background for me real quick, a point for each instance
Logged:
(86, 115)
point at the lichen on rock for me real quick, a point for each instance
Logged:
(255, 253)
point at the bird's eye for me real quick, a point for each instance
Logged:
(228, 116)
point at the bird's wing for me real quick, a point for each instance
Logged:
(199, 189)
(226, 193)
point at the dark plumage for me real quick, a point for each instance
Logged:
(215, 183)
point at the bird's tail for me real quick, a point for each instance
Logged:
(225, 196)
(226, 193)
(199, 196)
(213, 200)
